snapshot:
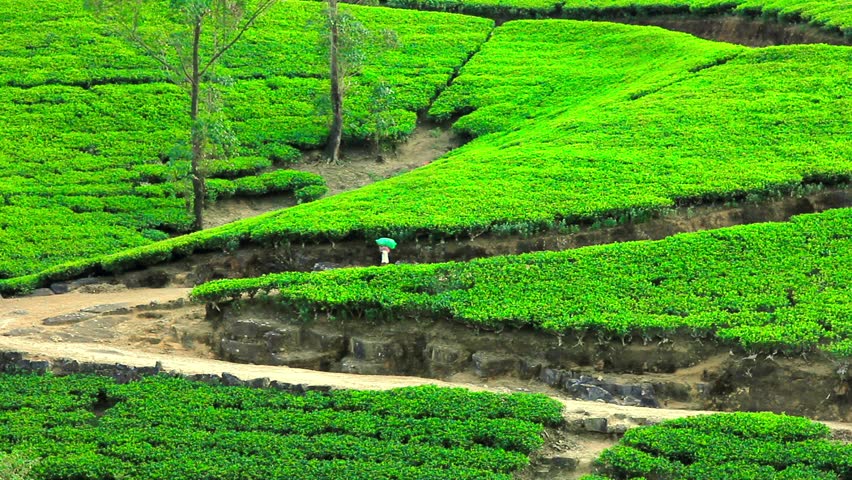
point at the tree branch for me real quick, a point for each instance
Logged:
(131, 34)
(262, 7)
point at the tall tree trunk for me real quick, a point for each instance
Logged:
(197, 133)
(336, 133)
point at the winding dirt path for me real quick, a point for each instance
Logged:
(29, 312)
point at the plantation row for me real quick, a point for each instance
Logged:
(826, 14)
(581, 123)
(737, 446)
(768, 287)
(94, 144)
(167, 428)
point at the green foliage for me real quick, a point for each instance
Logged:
(277, 181)
(93, 156)
(736, 446)
(237, 167)
(768, 286)
(15, 466)
(826, 14)
(167, 428)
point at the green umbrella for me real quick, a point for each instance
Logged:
(386, 242)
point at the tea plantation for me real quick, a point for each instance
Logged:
(735, 446)
(579, 122)
(171, 429)
(93, 145)
(782, 286)
(825, 14)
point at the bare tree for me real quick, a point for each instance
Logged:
(198, 33)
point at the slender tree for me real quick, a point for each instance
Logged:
(336, 131)
(346, 44)
(189, 46)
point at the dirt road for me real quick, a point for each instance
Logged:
(141, 339)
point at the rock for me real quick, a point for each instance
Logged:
(283, 339)
(318, 388)
(593, 393)
(41, 292)
(375, 349)
(323, 340)
(445, 359)
(618, 429)
(351, 364)
(323, 266)
(231, 380)
(68, 318)
(67, 365)
(205, 378)
(21, 332)
(60, 287)
(529, 369)
(262, 382)
(155, 370)
(251, 352)
(24, 365)
(595, 424)
(487, 364)
(102, 288)
(249, 329)
(109, 309)
(283, 386)
(551, 376)
(304, 359)
(82, 282)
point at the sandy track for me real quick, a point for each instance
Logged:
(27, 312)
(106, 354)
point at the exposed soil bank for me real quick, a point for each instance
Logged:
(740, 30)
(253, 261)
(679, 371)
(721, 25)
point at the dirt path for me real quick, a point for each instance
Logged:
(23, 312)
(576, 411)
(359, 167)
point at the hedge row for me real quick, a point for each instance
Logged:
(166, 428)
(89, 123)
(825, 14)
(782, 286)
(596, 123)
(735, 446)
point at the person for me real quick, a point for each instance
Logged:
(385, 255)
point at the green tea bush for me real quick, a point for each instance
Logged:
(825, 14)
(89, 122)
(167, 428)
(775, 286)
(735, 446)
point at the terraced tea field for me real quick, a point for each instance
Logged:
(568, 124)
(94, 143)
(595, 132)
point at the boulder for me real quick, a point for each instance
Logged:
(41, 292)
(595, 424)
(283, 339)
(68, 318)
(323, 339)
(374, 349)
(250, 352)
(487, 364)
